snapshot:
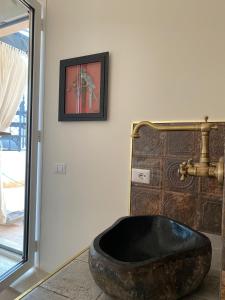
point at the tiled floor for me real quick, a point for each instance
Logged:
(75, 282)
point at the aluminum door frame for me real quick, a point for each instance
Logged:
(32, 164)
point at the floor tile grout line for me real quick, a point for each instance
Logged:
(99, 296)
(81, 260)
(47, 289)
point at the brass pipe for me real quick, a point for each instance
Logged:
(204, 156)
(165, 127)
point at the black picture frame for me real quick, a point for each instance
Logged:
(101, 114)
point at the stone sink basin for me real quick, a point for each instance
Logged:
(149, 258)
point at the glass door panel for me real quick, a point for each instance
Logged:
(16, 125)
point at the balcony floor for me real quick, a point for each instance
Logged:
(8, 260)
(11, 235)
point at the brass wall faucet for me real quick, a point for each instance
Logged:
(204, 167)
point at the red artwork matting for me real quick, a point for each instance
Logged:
(83, 88)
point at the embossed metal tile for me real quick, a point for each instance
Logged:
(145, 201)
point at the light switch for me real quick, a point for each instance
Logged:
(60, 168)
(141, 176)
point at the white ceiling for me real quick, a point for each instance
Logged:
(11, 9)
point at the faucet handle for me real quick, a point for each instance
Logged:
(190, 162)
(183, 170)
(182, 177)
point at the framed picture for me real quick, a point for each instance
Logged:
(83, 88)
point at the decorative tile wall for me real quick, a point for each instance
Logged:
(222, 282)
(196, 202)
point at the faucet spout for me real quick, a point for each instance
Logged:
(136, 129)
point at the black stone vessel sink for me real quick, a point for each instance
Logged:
(149, 258)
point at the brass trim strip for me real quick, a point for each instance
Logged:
(130, 167)
(50, 275)
(135, 122)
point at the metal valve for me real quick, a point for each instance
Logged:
(183, 170)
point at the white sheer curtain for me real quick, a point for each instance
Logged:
(13, 79)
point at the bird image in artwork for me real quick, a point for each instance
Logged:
(89, 83)
(82, 85)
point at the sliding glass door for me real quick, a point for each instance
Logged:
(19, 109)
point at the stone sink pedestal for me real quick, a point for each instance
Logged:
(149, 258)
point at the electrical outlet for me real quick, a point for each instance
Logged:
(141, 176)
(60, 168)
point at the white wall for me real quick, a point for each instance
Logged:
(167, 62)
